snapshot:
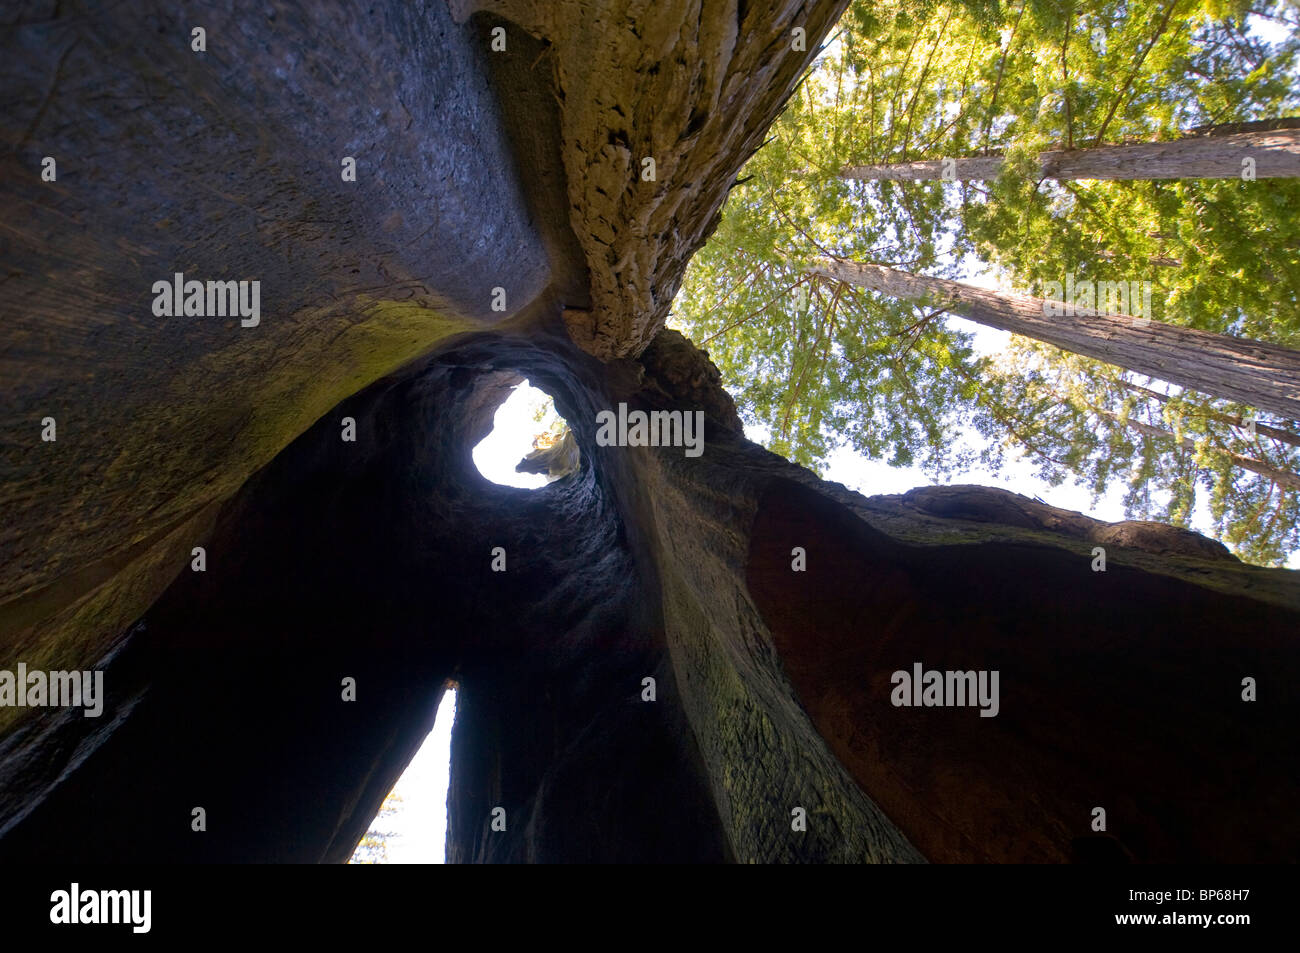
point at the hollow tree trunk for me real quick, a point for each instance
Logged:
(369, 560)
(1262, 375)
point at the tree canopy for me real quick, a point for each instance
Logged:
(817, 363)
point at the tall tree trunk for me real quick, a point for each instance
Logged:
(1262, 375)
(1276, 153)
(1232, 420)
(1254, 125)
(1279, 476)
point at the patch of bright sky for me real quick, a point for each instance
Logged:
(419, 825)
(511, 439)
(1270, 31)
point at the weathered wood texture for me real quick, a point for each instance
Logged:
(1261, 375)
(693, 86)
(224, 164)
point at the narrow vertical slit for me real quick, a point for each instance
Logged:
(411, 826)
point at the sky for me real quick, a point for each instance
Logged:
(511, 438)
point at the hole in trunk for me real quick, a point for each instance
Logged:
(411, 826)
(530, 445)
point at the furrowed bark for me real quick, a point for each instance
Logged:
(1276, 153)
(1264, 376)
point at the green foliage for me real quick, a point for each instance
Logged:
(551, 426)
(1082, 419)
(818, 365)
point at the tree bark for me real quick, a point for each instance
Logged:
(1276, 153)
(1261, 375)
(711, 113)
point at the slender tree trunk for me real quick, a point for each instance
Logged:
(1264, 430)
(1281, 477)
(1276, 153)
(1255, 125)
(1261, 375)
